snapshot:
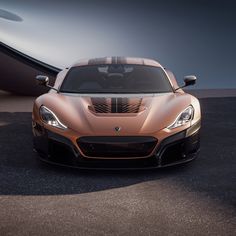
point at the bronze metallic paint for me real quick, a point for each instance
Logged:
(73, 111)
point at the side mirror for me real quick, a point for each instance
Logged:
(190, 80)
(42, 80)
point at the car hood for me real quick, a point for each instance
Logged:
(104, 114)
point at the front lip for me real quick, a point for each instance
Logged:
(123, 168)
(88, 163)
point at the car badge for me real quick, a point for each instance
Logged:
(117, 128)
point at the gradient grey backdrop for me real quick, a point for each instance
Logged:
(188, 37)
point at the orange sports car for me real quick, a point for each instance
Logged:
(116, 112)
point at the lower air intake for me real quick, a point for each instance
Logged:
(117, 147)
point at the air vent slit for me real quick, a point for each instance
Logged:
(116, 105)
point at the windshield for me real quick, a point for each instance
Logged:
(116, 78)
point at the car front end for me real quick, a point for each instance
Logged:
(117, 140)
(116, 113)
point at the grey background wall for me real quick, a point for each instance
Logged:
(189, 37)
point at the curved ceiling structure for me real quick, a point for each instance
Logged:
(190, 37)
(18, 72)
(7, 15)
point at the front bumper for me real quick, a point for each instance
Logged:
(178, 148)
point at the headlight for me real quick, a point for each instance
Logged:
(183, 118)
(50, 118)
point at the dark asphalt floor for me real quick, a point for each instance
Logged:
(195, 199)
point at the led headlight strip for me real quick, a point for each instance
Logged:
(50, 118)
(183, 118)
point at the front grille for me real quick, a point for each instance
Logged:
(116, 105)
(117, 146)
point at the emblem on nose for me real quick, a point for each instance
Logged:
(117, 128)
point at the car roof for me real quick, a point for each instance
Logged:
(117, 60)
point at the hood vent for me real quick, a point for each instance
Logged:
(116, 105)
